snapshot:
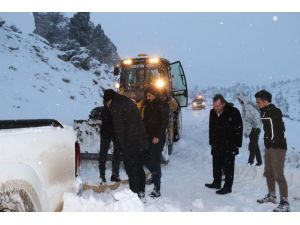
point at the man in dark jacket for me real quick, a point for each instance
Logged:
(130, 136)
(275, 152)
(156, 119)
(225, 138)
(107, 135)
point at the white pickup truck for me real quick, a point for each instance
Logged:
(39, 161)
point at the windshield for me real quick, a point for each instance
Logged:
(140, 76)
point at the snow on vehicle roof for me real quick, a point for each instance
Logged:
(33, 130)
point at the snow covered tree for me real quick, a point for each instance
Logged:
(282, 103)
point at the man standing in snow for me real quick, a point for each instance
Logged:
(275, 152)
(225, 138)
(107, 135)
(252, 125)
(156, 120)
(131, 137)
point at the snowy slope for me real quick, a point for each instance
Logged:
(189, 169)
(35, 83)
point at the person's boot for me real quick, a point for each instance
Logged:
(155, 193)
(102, 178)
(267, 198)
(141, 195)
(283, 206)
(223, 191)
(149, 181)
(214, 185)
(258, 164)
(115, 178)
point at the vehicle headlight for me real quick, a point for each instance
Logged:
(203, 103)
(117, 85)
(194, 104)
(153, 60)
(160, 83)
(127, 62)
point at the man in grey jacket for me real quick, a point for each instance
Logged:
(252, 125)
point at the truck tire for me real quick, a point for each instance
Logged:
(168, 148)
(177, 125)
(18, 196)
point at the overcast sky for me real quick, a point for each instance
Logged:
(215, 48)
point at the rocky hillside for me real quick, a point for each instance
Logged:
(72, 34)
(38, 80)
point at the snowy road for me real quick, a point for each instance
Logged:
(184, 178)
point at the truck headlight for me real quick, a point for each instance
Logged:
(160, 83)
(194, 104)
(203, 103)
(117, 85)
(153, 60)
(127, 62)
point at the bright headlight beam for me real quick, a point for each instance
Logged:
(153, 60)
(127, 62)
(160, 83)
(117, 85)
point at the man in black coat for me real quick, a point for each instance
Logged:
(275, 152)
(107, 135)
(131, 137)
(225, 138)
(156, 120)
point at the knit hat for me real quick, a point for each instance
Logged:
(108, 95)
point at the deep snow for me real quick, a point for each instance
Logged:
(189, 169)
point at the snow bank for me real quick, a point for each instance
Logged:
(121, 201)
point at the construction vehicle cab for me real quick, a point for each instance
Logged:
(137, 74)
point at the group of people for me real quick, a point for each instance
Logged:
(138, 137)
(226, 129)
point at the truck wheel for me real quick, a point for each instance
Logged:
(168, 148)
(167, 152)
(18, 196)
(177, 125)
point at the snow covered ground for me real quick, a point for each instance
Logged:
(189, 169)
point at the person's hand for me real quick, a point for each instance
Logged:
(155, 140)
(235, 151)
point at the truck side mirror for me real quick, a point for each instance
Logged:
(116, 71)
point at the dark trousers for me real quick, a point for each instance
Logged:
(254, 147)
(223, 161)
(133, 162)
(153, 164)
(104, 147)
